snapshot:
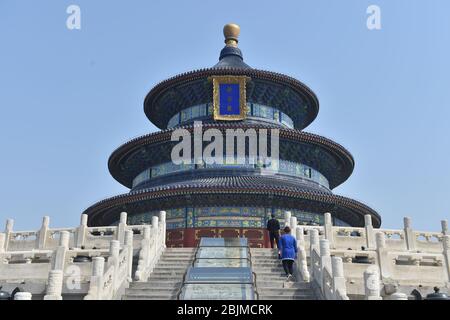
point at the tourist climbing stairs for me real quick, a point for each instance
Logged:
(271, 279)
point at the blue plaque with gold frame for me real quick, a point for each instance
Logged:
(229, 100)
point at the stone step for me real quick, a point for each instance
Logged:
(173, 266)
(264, 253)
(265, 270)
(155, 284)
(293, 297)
(284, 291)
(149, 297)
(158, 291)
(176, 260)
(266, 260)
(177, 255)
(278, 273)
(266, 278)
(266, 265)
(277, 284)
(168, 270)
(160, 266)
(164, 277)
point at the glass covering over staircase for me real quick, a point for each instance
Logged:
(221, 269)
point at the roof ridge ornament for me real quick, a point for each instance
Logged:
(231, 33)
(231, 56)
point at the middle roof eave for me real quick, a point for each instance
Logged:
(335, 150)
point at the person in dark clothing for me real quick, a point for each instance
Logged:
(273, 226)
(288, 250)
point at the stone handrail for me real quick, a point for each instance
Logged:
(48, 255)
(328, 272)
(152, 246)
(302, 263)
(81, 237)
(400, 256)
(48, 238)
(109, 281)
(355, 238)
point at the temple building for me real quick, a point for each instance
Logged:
(232, 198)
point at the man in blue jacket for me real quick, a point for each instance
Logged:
(288, 251)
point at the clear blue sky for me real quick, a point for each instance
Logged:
(69, 98)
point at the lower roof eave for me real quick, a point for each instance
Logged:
(107, 211)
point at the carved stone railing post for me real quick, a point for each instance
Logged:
(120, 236)
(56, 275)
(98, 266)
(325, 260)
(339, 283)
(129, 244)
(328, 229)
(313, 246)
(162, 219)
(81, 231)
(114, 248)
(370, 234)
(314, 240)
(287, 219)
(383, 261)
(302, 263)
(54, 286)
(444, 225)
(143, 263)
(300, 236)
(43, 233)
(23, 296)
(155, 229)
(397, 296)
(114, 251)
(372, 284)
(60, 254)
(2, 242)
(8, 230)
(409, 234)
(294, 227)
(446, 244)
(98, 269)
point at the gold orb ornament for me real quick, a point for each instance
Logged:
(231, 32)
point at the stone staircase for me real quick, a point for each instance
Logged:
(165, 281)
(271, 279)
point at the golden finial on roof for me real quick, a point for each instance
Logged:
(231, 32)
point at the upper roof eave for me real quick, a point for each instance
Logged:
(194, 75)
